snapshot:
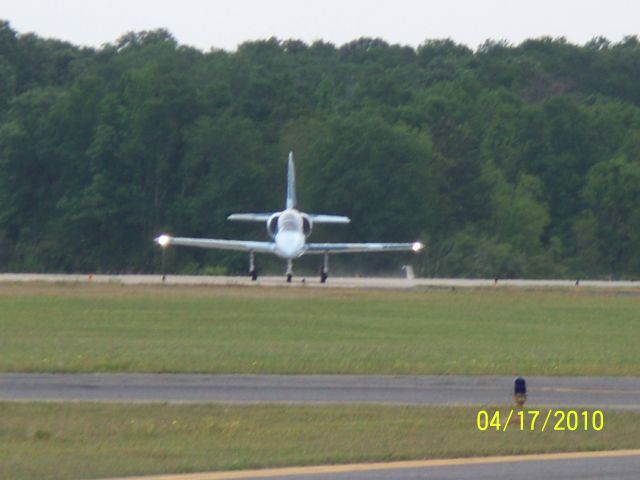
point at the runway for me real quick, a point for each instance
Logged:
(610, 393)
(333, 282)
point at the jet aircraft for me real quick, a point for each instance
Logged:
(288, 230)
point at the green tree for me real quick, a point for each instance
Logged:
(612, 223)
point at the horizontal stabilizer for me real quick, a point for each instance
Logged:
(249, 217)
(329, 219)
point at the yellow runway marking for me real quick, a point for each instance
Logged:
(587, 390)
(368, 467)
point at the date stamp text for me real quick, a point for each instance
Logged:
(558, 420)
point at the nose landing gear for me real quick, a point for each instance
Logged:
(289, 270)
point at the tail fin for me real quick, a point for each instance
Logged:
(291, 184)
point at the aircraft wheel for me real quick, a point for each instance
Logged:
(254, 275)
(289, 277)
(323, 277)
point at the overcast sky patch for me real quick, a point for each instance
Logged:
(227, 23)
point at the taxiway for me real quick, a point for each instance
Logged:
(620, 393)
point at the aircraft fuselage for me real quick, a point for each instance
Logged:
(288, 233)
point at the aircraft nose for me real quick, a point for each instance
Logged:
(289, 244)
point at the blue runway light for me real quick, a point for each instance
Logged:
(519, 391)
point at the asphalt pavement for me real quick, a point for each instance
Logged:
(621, 468)
(611, 465)
(621, 393)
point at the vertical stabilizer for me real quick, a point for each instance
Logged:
(291, 184)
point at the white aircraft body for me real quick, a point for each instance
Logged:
(289, 230)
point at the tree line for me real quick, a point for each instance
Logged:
(507, 161)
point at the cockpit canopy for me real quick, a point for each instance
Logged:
(290, 221)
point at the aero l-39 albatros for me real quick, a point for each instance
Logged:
(289, 230)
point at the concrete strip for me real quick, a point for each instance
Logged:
(334, 282)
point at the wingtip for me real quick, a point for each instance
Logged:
(163, 240)
(417, 246)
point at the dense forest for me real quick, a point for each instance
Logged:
(507, 161)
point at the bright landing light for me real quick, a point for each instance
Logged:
(163, 240)
(417, 246)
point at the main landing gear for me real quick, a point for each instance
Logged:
(253, 272)
(324, 269)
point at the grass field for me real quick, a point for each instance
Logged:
(113, 328)
(68, 441)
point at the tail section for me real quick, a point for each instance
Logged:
(291, 184)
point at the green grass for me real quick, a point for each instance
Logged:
(67, 441)
(112, 328)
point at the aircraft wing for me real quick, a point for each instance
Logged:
(238, 245)
(321, 248)
(249, 217)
